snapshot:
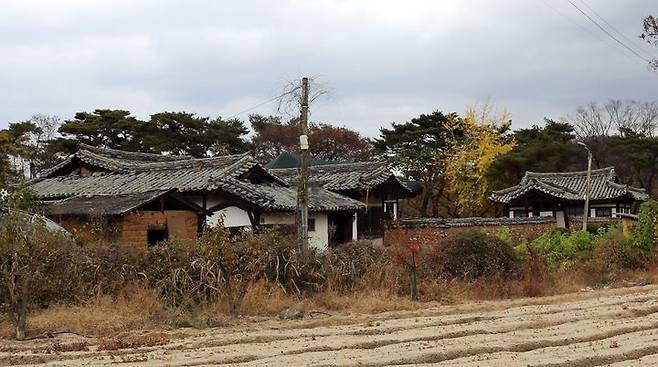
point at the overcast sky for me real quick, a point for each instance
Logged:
(383, 61)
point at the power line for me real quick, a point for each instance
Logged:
(629, 40)
(258, 105)
(563, 15)
(644, 59)
(597, 36)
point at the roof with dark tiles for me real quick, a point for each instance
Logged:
(129, 176)
(571, 186)
(344, 177)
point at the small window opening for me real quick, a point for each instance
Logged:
(157, 235)
(311, 224)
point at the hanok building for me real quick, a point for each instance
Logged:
(372, 183)
(562, 195)
(147, 198)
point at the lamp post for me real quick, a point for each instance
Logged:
(588, 184)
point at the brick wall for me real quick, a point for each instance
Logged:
(436, 230)
(87, 230)
(132, 228)
(181, 225)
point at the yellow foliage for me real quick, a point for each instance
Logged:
(478, 139)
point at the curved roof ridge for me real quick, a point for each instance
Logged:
(335, 165)
(570, 186)
(556, 186)
(102, 150)
(508, 189)
(607, 170)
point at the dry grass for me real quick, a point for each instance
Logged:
(266, 299)
(136, 308)
(139, 308)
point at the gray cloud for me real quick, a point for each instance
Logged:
(384, 60)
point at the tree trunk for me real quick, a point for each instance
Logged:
(233, 307)
(414, 278)
(20, 325)
(425, 202)
(235, 301)
(18, 312)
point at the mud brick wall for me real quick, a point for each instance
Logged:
(181, 225)
(88, 230)
(131, 229)
(434, 231)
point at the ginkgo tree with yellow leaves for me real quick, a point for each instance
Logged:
(483, 135)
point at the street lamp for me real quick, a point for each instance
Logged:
(588, 184)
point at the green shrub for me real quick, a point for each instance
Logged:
(473, 255)
(611, 255)
(644, 234)
(563, 249)
(504, 234)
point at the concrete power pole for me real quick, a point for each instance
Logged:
(302, 186)
(588, 185)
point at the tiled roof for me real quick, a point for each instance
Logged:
(101, 205)
(183, 176)
(272, 197)
(291, 160)
(571, 186)
(473, 221)
(133, 157)
(123, 162)
(347, 176)
(131, 181)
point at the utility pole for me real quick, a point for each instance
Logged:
(588, 185)
(302, 186)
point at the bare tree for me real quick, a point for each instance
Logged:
(614, 117)
(650, 34)
(589, 121)
(648, 117)
(290, 99)
(36, 263)
(47, 124)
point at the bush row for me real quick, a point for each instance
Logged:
(40, 268)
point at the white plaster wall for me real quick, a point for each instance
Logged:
(233, 217)
(277, 218)
(318, 239)
(236, 217)
(561, 221)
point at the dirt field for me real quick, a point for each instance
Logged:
(617, 327)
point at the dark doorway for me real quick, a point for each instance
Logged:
(340, 228)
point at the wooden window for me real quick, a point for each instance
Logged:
(311, 224)
(520, 214)
(575, 210)
(604, 212)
